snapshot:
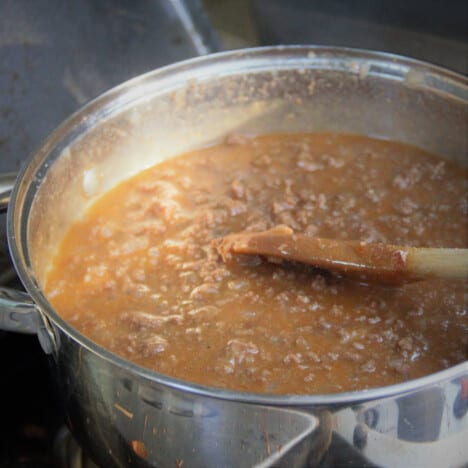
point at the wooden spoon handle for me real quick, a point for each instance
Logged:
(437, 262)
(367, 261)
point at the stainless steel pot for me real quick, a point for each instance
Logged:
(129, 416)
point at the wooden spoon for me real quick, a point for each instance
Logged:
(375, 262)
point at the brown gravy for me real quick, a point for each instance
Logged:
(139, 276)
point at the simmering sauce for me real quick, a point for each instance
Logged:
(139, 274)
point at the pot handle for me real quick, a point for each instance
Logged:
(7, 181)
(18, 312)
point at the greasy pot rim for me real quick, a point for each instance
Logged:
(225, 61)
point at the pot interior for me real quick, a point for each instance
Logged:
(196, 103)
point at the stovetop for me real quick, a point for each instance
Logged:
(30, 416)
(56, 55)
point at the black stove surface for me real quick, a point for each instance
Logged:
(31, 415)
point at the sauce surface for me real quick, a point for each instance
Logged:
(139, 274)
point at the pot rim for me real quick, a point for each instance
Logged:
(260, 58)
